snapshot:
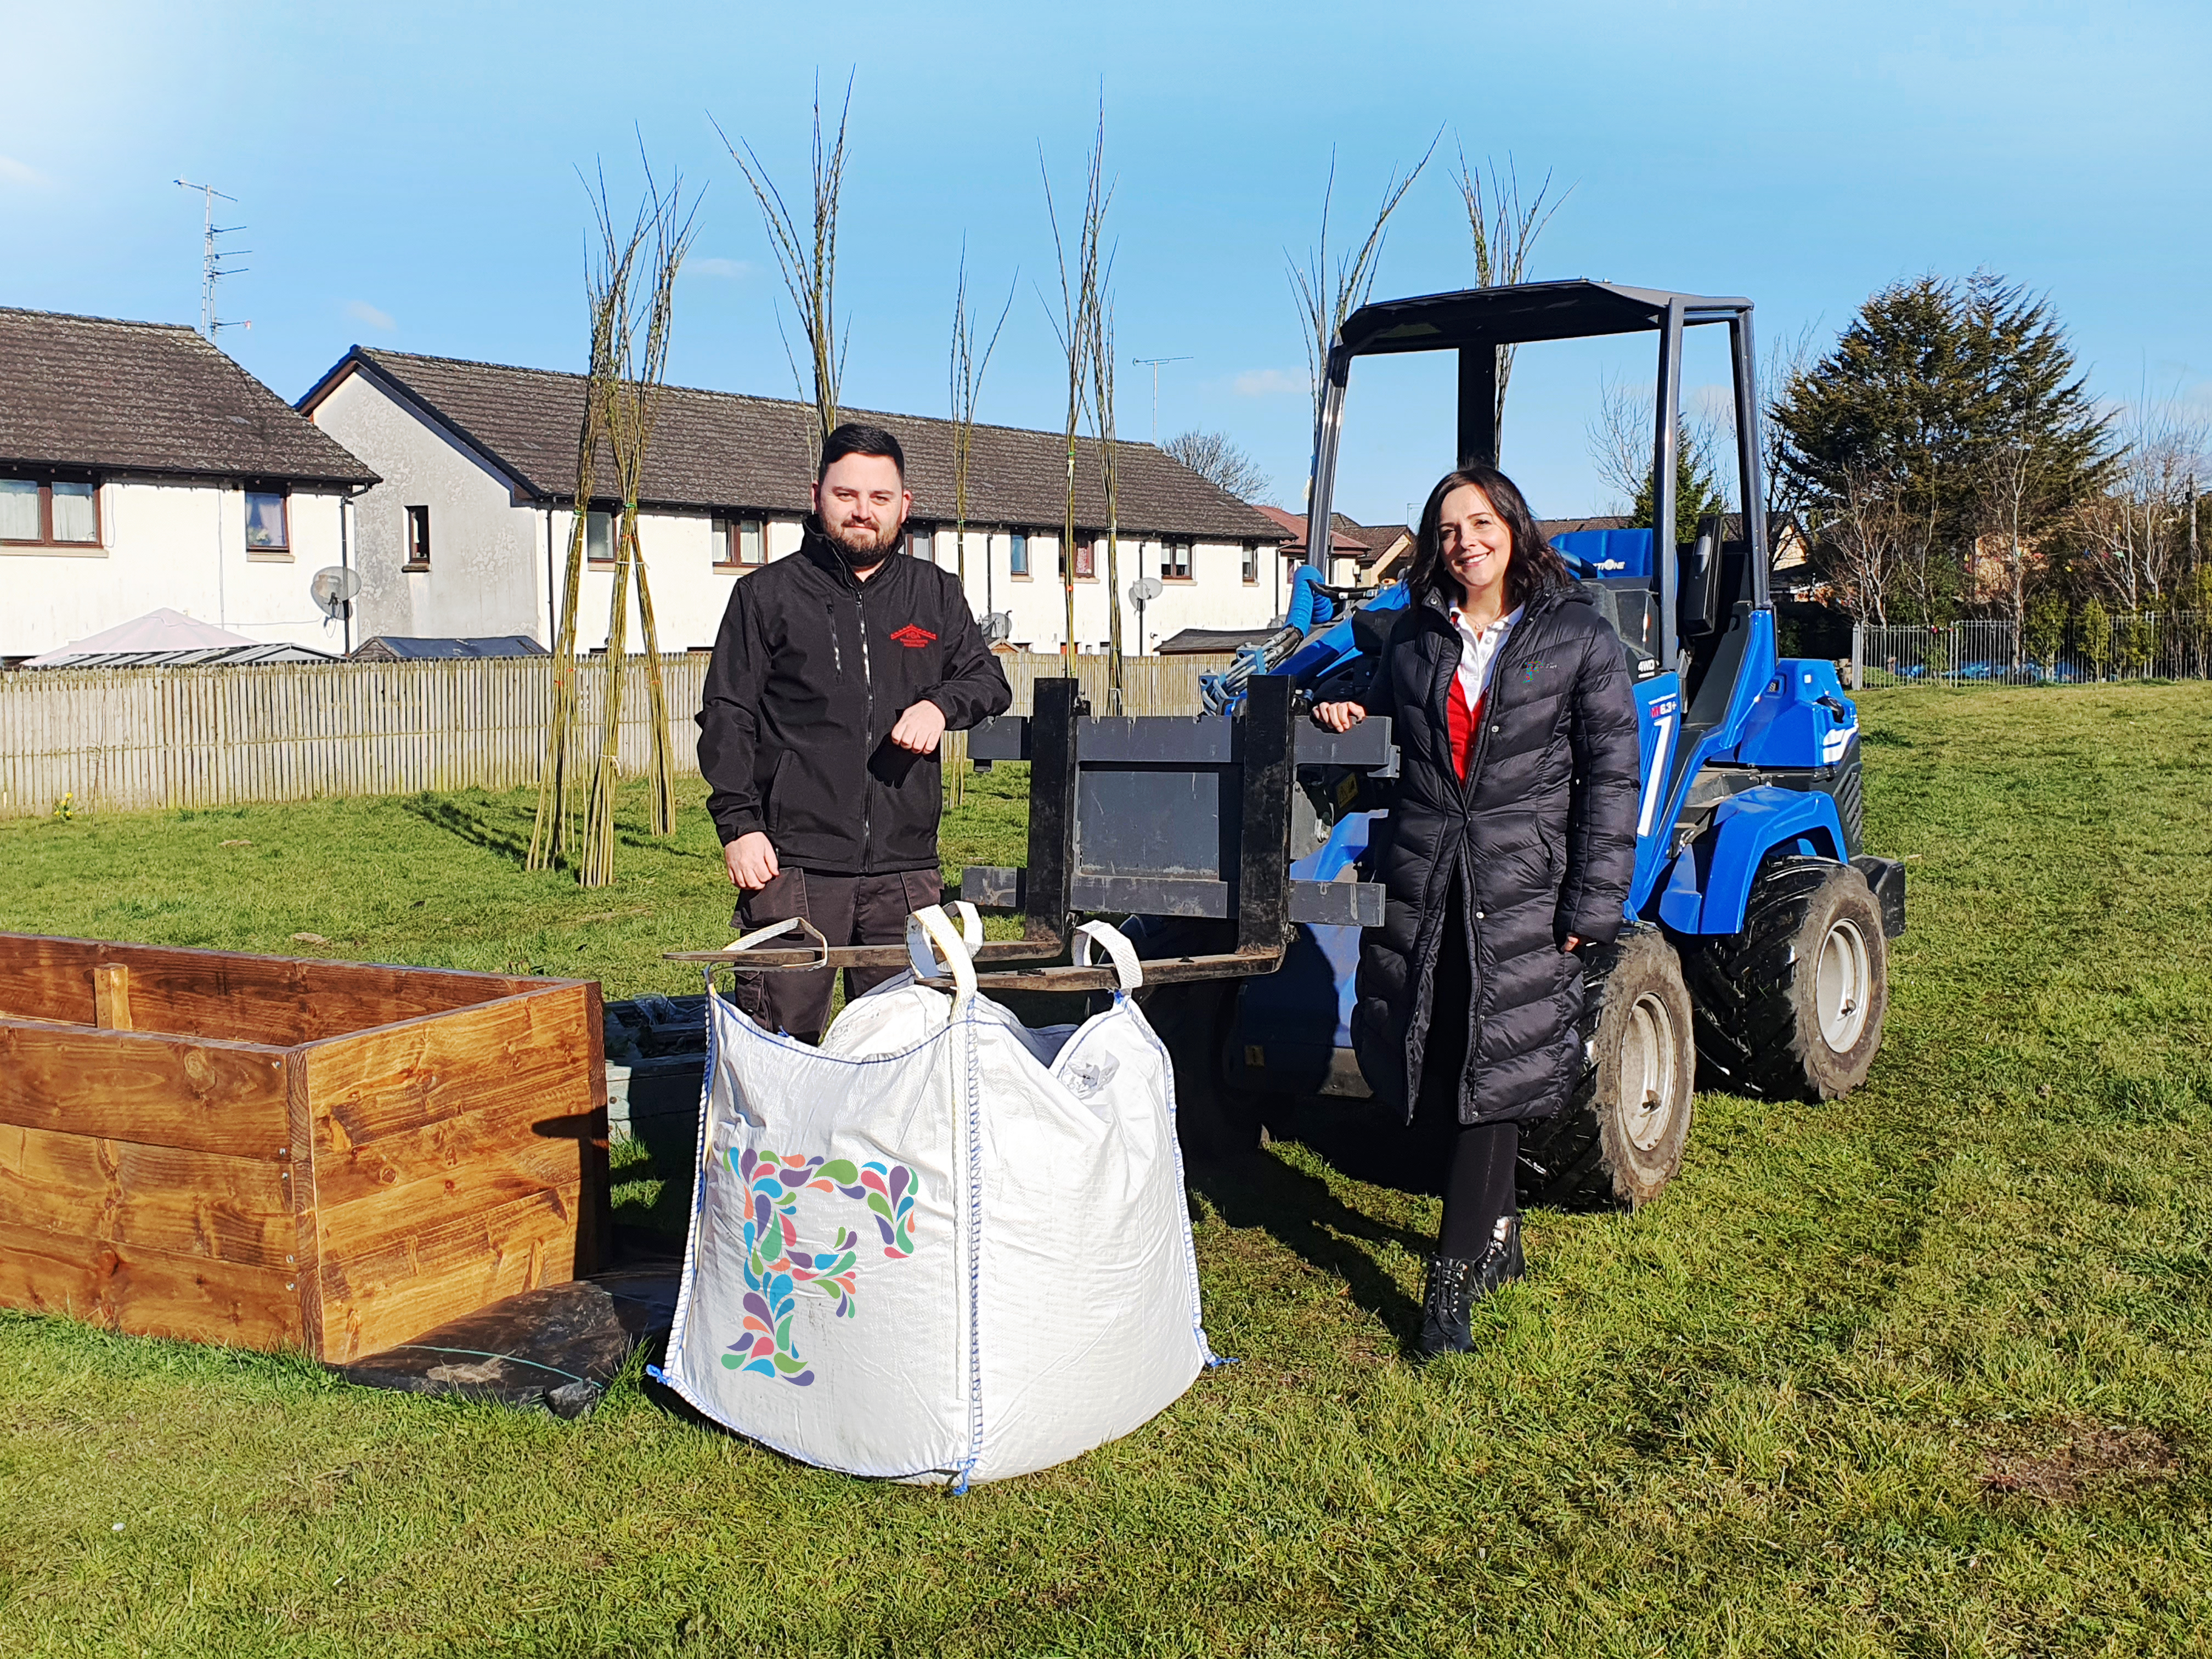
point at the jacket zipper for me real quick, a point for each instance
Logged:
(867, 679)
(1506, 658)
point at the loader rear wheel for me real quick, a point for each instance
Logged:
(1621, 1138)
(1794, 1004)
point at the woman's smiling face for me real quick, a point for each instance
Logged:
(1475, 543)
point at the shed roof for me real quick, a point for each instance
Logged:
(728, 450)
(400, 647)
(96, 392)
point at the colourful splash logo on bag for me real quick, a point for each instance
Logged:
(779, 1268)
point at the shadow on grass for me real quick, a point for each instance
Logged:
(1299, 1212)
(470, 823)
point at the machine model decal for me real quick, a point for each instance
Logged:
(779, 1268)
(1654, 782)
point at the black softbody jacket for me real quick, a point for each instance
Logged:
(1542, 837)
(811, 671)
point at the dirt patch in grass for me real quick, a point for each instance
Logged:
(2066, 1463)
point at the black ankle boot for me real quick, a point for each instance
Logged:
(1456, 1285)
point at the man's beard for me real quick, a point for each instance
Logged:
(863, 558)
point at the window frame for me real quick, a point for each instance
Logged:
(417, 534)
(730, 541)
(1168, 561)
(916, 534)
(45, 541)
(1251, 564)
(613, 557)
(1086, 558)
(267, 552)
(1018, 556)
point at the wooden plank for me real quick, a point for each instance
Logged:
(535, 1046)
(299, 1177)
(124, 1191)
(411, 1283)
(143, 1087)
(148, 1292)
(526, 1138)
(233, 994)
(111, 996)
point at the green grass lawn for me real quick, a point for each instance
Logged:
(1928, 1371)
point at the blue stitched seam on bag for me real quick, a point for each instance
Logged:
(975, 1252)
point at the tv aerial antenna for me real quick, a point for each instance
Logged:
(211, 258)
(1153, 363)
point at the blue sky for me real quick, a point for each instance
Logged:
(407, 175)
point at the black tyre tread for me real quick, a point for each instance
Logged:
(1739, 985)
(1562, 1162)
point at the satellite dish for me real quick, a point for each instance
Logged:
(334, 586)
(998, 626)
(1145, 590)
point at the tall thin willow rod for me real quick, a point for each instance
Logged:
(1101, 371)
(1078, 297)
(595, 866)
(966, 376)
(551, 835)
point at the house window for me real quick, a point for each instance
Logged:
(599, 537)
(739, 542)
(1174, 562)
(266, 531)
(1086, 560)
(418, 538)
(920, 542)
(1251, 565)
(62, 513)
(1017, 554)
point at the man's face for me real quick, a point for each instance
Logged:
(862, 503)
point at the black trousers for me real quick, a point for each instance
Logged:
(1478, 1158)
(848, 910)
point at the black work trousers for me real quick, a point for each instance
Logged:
(848, 910)
(1479, 1158)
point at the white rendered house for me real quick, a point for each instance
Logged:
(141, 468)
(468, 532)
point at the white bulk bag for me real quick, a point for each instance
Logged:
(941, 1246)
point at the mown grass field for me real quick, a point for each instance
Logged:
(1928, 1371)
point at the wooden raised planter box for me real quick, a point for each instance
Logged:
(286, 1154)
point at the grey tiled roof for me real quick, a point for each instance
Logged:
(94, 392)
(726, 450)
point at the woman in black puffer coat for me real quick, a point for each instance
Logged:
(1512, 844)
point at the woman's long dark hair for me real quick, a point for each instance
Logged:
(1531, 566)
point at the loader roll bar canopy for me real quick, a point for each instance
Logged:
(1475, 322)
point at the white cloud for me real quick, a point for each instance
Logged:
(1269, 383)
(713, 265)
(14, 172)
(362, 312)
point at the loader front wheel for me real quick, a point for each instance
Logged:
(1621, 1138)
(1794, 1004)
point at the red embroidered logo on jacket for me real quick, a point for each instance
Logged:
(914, 637)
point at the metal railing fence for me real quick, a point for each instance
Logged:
(2168, 645)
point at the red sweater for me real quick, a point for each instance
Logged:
(1466, 721)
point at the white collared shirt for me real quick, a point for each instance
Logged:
(1477, 651)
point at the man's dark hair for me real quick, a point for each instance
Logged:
(1531, 564)
(853, 439)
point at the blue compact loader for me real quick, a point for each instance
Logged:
(1235, 843)
(1757, 942)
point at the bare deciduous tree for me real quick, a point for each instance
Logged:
(2137, 530)
(1328, 294)
(807, 257)
(1110, 474)
(1866, 534)
(1503, 230)
(1221, 462)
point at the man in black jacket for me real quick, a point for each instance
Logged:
(836, 672)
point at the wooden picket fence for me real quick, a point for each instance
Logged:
(130, 739)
